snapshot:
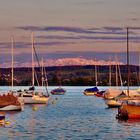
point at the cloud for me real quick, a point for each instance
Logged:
(104, 30)
(134, 19)
(94, 38)
(58, 37)
(73, 39)
(113, 28)
(107, 33)
(7, 45)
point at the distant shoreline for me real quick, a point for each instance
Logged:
(70, 75)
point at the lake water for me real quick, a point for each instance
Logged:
(72, 116)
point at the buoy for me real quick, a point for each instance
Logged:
(34, 108)
(53, 102)
(7, 123)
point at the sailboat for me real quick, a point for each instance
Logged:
(31, 96)
(94, 90)
(59, 90)
(114, 92)
(130, 108)
(10, 102)
(114, 96)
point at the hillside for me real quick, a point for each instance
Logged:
(69, 75)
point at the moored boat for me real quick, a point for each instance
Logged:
(112, 93)
(116, 101)
(112, 103)
(99, 93)
(129, 110)
(58, 91)
(32, 97)
(91, 91)
(9, 102)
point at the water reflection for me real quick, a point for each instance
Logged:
(73, 116)
(36, 105)
(10, 112)
(129, 121)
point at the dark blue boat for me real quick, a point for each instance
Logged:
(58, 91)
(91, 91)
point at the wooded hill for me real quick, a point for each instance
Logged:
(70, 75)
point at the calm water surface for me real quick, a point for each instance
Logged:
(72, 116)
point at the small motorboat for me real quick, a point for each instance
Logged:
(91, 91)
(58, 91)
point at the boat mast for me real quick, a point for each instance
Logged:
(128, 68)
(59, 77)
(96, 78)
(46, 80)
(42, 72)
(139, 67)
(33, 72)
(12, 49)
(119, 72)
(96, 75)
(116, 72)
(110, 73)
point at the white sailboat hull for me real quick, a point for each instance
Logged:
(34, 100)
(113, 103)
(12, 108)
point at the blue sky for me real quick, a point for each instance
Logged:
(69, 28)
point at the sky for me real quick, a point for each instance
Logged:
(63, 29)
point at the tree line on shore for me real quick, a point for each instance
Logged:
(71, 76)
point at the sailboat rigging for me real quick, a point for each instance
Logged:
(31, 96)
(128, 67)
(130, 108)
(110, 73)
(94, 90)
(10, 102)
(113, 96)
